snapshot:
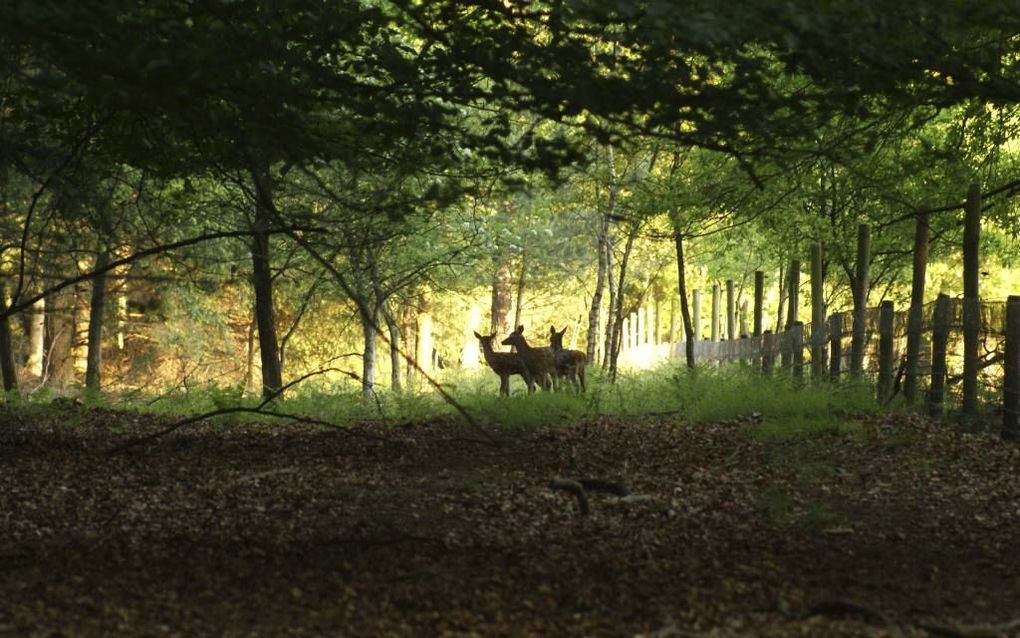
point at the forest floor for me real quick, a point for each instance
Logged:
(899, 527)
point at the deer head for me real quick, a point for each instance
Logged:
(556, 338)
(516, 338)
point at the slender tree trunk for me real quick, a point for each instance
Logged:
(607, 347)
(602, 241)
(59, 366)
(94, 357)
(685, 310)
(618, 311)
(249, 360)
(519, 306)
(595, 310)
(395, 359)
(262, 282)
(80, 318)
(7, 367)
(36, 338)
(368, 328)
(782, 292)
(501, 297)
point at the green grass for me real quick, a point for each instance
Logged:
(782, 409)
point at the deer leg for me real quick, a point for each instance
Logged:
(504, 385)
(530, 380)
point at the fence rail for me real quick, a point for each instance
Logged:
(939, 358)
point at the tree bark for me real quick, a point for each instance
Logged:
(94, 356)
(7, 368)
(607, 346)
(395, 358)
(36, 338)
(618, 311)
(262, 282)
(685, 310)
(502, 289)
(519, 301)
(595, 310)
(602, 241)
(368, 328)
(59, 362)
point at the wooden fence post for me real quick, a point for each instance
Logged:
(715, 312)
(886, 365)
(1011, 375)
(915, 316)
(860, 299)
(835, 345)
(797, 349)
(794, 281)
(731, 311)
(639, 327)
(696, 319)
(767, 358)
(759, 300)
(971, 308)
(817, 314)
(939, 343)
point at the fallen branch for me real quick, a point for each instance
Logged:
(260, 475)
(1008, 628)
(842, 607)
(574, 488)
(258, 409)
(616, 488)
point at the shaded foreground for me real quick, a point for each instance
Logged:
(415, 530)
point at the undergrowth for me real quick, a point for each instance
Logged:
(778, 406)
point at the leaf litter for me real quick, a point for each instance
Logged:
(905, 528)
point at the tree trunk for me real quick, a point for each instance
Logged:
(519, 301)
(618, 311)
(94, 356)
(782, 291)
(249, 360)
(602, 240)
(59, 366)
(502, 289)
(395, 358)
(36, 338)
(685, 310)
(262, 282)
(595, 310)
(7, 368)
(607, 346)
(368, 329)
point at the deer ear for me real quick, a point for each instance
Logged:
(520, 328)
(552, 330)
(477, 336)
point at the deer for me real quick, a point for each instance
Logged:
(539, 363)
(504, 364)
(569, 363)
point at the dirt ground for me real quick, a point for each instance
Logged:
(905, 529)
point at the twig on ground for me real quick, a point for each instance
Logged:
(1008, 628)
(576, 489)
(258, 409)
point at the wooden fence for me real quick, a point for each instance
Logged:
(910, 356)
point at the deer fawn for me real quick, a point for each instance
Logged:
(569, 363)
(503, 364)
(539, 363)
